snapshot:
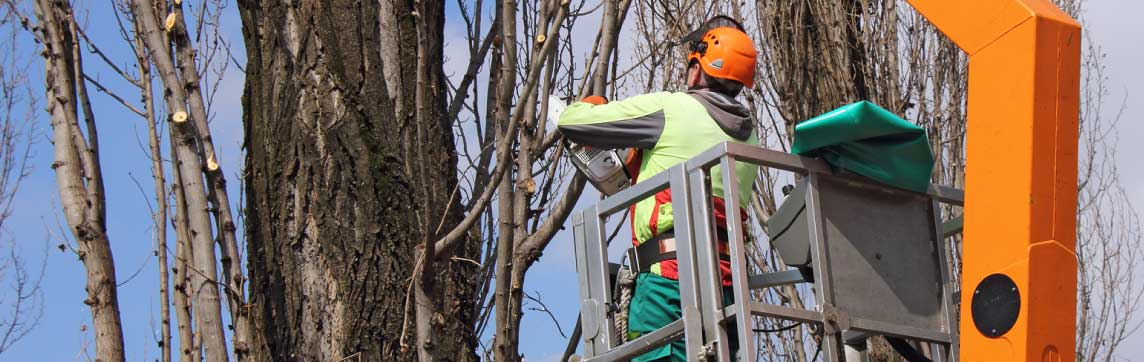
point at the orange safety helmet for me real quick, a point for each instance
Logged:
(724, 51)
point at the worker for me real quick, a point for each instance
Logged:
(665, 129)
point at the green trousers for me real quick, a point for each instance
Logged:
(655, 303)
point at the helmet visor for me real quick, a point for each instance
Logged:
(720, 21)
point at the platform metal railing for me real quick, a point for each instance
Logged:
(703, 325)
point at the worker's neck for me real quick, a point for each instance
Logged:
(709, 90)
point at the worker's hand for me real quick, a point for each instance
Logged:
(556, 107)
(597, 100)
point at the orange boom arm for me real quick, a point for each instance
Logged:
(1021, 172)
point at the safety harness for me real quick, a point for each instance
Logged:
(662, 247)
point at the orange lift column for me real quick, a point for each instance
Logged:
(1018, 294)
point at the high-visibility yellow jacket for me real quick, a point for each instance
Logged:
(669, 127)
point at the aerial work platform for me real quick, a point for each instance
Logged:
(875, 256)
(1020, 231)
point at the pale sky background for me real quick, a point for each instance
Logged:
(1114, 24)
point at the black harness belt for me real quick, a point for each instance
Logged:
(662, 247)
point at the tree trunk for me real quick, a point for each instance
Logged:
(78, 174)
(506, 338)
(351, 167)
(161, 208)
(188, 142)
(188, 350)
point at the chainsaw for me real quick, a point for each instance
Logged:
(604, 168)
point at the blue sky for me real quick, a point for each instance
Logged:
(125, 161)
(1113, 23)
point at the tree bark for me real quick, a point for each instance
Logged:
(506, 337)
(160, 216)
(192, 161)
(232, 275)
(78, 175)
(183, 261)
(351, 169)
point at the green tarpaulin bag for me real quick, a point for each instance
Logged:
(870, 141)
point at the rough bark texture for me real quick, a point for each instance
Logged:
(344, 182)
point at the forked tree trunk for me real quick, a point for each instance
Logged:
(345, 180)
(78, 174)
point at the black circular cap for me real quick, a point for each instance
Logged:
(996, 305)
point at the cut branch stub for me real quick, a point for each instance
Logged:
(179, 117)
(170, 22)
(212, 165)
